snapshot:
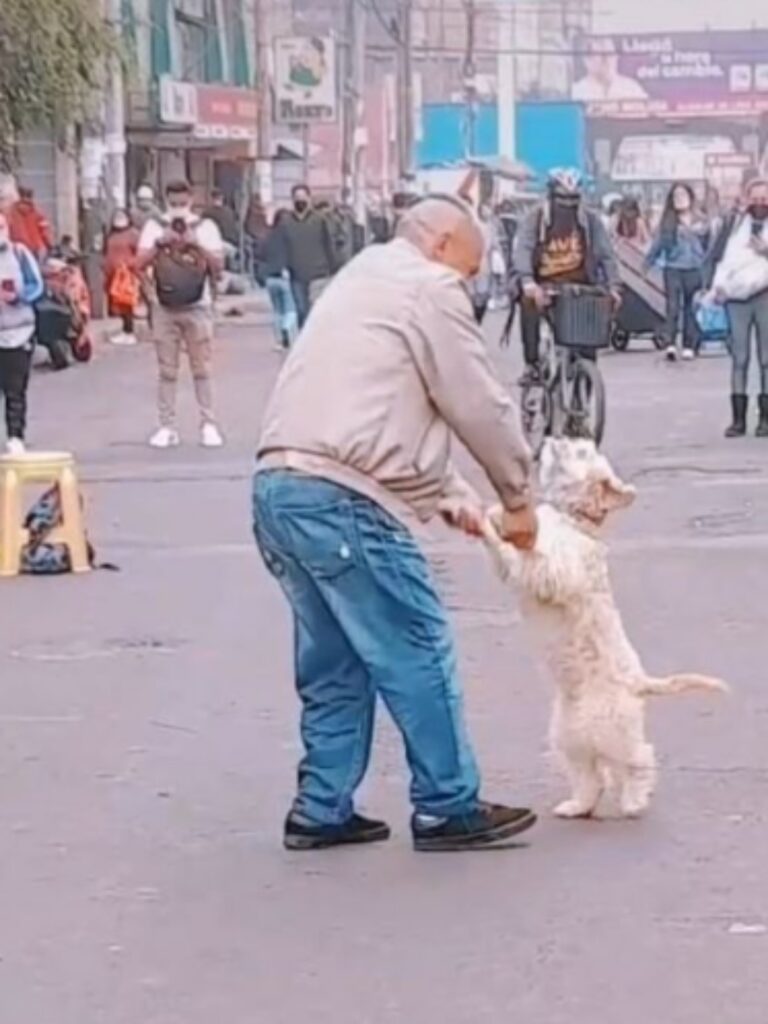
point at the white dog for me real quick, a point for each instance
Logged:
(598, 723)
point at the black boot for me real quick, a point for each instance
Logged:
(762, 423)
(739, 409)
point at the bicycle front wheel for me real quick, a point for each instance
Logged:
(585, 416)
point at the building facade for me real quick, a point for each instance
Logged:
(191, 106)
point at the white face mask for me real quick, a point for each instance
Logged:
(120, 223)
(185, 212)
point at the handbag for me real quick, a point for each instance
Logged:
(124, 288)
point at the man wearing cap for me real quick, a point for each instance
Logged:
(355, 452)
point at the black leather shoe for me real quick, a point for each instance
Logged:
(355, 832)
(489, 826)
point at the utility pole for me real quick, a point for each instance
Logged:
(263, 48)
(507, 80)
(114, 117)
(354, 81)
(405, 131)
(469, 73)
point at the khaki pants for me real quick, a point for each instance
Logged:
(189, 330)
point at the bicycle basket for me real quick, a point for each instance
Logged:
(582, 318)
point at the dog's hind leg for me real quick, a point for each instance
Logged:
(637, 782)
(587, 785)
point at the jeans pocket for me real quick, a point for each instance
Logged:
(322, 539)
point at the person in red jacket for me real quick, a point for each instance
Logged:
(120, 276)
(29, 225)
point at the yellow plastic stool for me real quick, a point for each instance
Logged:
(40, 468)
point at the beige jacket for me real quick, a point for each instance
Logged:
(390, 364)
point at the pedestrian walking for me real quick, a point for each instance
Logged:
(277, 280)
(185, 255)
(145, 207)
(256, 228)
(121, 281)
(355, 450)
(29, 226)
(310, 249)
(740, 258)
(224, 217)
(680, 247)
(21, 286)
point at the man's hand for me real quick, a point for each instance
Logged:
(719, 297)
(463, 514)
(520, 528)
(616, 299)
(536, 294)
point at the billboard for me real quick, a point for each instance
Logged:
(676, 74)
(305, 80)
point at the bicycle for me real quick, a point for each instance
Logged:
(565, 395)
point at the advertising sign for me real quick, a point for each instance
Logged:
(305, 80)
(683, 74)
(726, 172)
(223, 112)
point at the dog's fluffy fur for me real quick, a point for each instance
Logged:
(598, 722)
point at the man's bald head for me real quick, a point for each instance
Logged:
(446, 230)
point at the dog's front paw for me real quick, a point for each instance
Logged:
(573, 809)
(634, 808)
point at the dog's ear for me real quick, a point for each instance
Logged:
(616, 494)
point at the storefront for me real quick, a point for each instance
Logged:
(203, 133)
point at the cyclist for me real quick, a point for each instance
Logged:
(560, 242)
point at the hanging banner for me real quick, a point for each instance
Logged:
(305, 80)
(678, 74)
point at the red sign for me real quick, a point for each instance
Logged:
(226, 112)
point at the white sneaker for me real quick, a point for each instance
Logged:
(671, 353)
(210, 436)
(165, 437)
(15, 446)
(688, 354)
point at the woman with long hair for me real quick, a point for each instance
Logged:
(680, 248)
(631, 225)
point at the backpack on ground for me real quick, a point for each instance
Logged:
(40, 557)
(181, 274)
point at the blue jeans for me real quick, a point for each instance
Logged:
(301, 299)
(368, 623)
(285, 320)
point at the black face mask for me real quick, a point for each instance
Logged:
(301, 206)
(566, 202)
(759, 211)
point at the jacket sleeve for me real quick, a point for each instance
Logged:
(713, 269)
(604, 253)
(525, 246)
(655, 250)
(451, 357)
(32, 281)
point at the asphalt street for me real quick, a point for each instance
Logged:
(149, 741)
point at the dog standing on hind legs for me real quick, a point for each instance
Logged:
(598, 720)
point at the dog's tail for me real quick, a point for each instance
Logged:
(671, 686)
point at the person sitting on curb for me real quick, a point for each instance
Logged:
(355, 451)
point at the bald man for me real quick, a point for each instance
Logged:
(355, 453)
